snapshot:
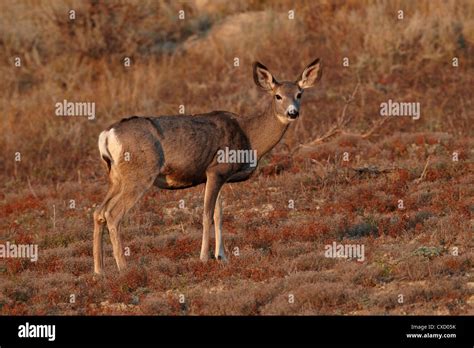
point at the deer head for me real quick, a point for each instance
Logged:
(287, 95)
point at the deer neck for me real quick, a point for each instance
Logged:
(264, 131)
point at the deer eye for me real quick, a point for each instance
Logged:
(298, 96)
(277, 97)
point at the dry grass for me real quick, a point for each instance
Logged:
(281, 251)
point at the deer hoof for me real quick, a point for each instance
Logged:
(221, 258)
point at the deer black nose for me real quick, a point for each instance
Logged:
(293, 114)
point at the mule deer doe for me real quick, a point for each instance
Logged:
(176, 152)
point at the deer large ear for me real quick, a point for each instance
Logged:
(262, 77)
(310, 75)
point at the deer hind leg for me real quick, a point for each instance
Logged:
(100, 225)
(219, 251)
(213, 186)
(131, 191)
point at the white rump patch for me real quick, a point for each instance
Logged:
(114, 146)
(109, 145)
(102, 144)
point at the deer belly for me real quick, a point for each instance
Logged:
(242, 175)
(172, 182)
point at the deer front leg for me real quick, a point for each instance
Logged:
(219, 252)
(213, 185)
